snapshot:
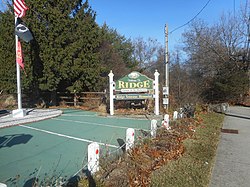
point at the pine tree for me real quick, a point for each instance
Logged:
(63, 53)
(7, 53)
(67, 53)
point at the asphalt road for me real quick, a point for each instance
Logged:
(232, 165)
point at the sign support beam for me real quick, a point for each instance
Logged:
(111, 93)
(156, 74)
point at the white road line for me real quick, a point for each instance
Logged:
(113, 117)
(89, 115)
(98, 124)
(66, 136)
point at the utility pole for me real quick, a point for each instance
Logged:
(166, 88)
(248, 53)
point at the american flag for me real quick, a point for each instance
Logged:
(20, 8)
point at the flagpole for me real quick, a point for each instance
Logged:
(19, 112)
(19, 96)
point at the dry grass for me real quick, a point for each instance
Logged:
(194, 167)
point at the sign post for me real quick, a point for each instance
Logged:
(156, 74)
(111, 93)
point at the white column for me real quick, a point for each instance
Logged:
(3, 185)
(165, 122)
(153, 128)
(93, 157)
(111, 93)
(130, 138)
(175, 115)
(156, 74)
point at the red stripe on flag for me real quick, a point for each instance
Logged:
(19, 55)
(20, 8)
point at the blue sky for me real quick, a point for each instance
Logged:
(147, 18)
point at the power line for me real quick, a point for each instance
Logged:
(192, 18)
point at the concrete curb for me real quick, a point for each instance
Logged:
(33, 115)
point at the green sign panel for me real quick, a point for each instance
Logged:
(134, 82)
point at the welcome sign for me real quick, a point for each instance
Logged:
(134, 86)
(134, 82)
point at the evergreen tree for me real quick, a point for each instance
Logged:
(82, 52)
(68, 52)
(65, 45)
(7, 53)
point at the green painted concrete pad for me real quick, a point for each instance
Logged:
(56, 148)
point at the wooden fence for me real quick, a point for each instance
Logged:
(82, 98)
(92, 99)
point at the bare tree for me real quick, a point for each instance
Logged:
(146, 52)
(214, 61)
(183, 88)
